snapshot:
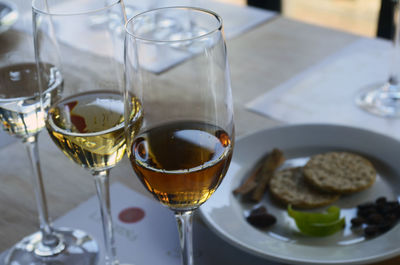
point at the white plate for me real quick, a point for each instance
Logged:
(224, 212)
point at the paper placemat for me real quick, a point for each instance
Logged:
(326, 92)
(154, 239)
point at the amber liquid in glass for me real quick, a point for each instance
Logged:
(182, 163)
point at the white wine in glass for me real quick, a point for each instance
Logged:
(22, 113)
(88, 128)
(20, 109)
(87, 121)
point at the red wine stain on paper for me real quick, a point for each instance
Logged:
(131, 215)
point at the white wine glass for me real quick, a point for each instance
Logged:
(184, 147)
(22, 115)
(384, 99)
(86, 123)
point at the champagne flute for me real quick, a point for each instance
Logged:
(184, 147)
(86, 123)
(22, 114)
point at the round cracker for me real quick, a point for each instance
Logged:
(290, 187)
(340, 172)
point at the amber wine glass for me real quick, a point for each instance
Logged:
(87, 122)
(184, 148)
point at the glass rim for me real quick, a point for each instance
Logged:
(197, 9)
(78, 13)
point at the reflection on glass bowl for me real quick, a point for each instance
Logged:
(8, 15)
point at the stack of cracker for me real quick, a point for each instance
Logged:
(322, 180)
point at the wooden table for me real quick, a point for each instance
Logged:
(259, 59)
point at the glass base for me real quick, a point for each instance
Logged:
(77, 248)
(382, 100)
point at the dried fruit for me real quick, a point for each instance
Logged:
(259, 217)
(357, 221)
(377, 217)
(371, 230)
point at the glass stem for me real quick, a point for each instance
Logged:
(49, 240)
(103, 192)
(394, 71)
(184, 221)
